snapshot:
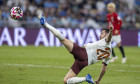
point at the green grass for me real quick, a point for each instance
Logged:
(48, 65)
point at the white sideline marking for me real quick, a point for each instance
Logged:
(40, 66)
(61, 67)
(124, 65)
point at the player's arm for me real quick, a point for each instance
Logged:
(102, 73)
(108, 38)
(119, 21)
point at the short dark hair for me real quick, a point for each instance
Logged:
(106, 30)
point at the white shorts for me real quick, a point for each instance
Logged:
(116, 39)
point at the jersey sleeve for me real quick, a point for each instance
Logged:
(106, 61)
(118, 19)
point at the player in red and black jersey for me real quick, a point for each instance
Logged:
(115, 20)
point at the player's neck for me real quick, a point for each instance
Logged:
(111, 12)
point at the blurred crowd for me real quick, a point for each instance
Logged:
(72, 13)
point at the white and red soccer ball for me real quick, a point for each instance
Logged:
(16, 13)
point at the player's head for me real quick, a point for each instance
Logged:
(104, 33)
(111, 7)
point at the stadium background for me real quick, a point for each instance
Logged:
(40, 65)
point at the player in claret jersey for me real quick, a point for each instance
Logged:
(90, 54)
(115, 20)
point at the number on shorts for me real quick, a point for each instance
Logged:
(104, 54)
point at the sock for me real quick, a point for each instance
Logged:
(113, 53)
(75, 80)
(122, 51)
(54, 31)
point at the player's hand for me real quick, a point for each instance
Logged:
(111, 27)
(116, 32)
(97, 82)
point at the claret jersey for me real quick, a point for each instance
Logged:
(100, 50)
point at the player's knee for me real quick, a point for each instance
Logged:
(65, 80)
(119, 44)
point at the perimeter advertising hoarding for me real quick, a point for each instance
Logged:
(26, 36)
(139, 38)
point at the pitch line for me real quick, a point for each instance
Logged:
(61, 67)
(122, 65)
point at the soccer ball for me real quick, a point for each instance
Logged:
(16, 13)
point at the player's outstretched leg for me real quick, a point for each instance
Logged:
(67, 43)
(51, 28)
(71, 78)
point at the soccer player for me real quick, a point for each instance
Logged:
(84, 56)
(115, 20)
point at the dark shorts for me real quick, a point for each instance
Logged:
(81, 58)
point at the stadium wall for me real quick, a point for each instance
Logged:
(26, 36)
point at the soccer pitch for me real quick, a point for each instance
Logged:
(48, 65)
